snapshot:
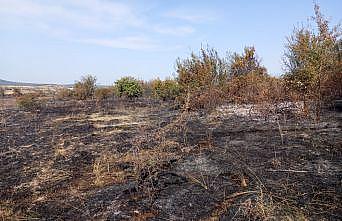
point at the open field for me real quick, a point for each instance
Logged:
(146, 160)
(47, 89)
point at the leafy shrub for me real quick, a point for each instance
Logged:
(29, 102)
(166, 90)
(85, 88)
(128, 87)
(103, 93)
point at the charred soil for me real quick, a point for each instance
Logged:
(146, 160)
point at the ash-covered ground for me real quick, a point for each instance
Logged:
(146, 160)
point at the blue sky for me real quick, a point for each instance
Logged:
(57, 41)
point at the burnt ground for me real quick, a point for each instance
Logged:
(144, 160)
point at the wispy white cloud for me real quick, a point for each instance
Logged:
(93, 21)
(191, 15)
(177, 31)
(133, 42)
(84, 14)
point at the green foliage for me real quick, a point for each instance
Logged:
(29, 102)
(128, 87)
(166, 90)
(103, 93)
(85, 88)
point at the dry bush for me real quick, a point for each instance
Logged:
(254, 88)
(313, 63)
(201, 78)
(206, 80)
(246, 63)
(103, 93)
(85, 88)
(107, 168)
(105, 172)
(332, 86)
(29, 102)
(249, 82)
(64, 94)
(17, 92)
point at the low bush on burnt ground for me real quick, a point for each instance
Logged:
(104, 93)
(30, 102)
(166, 90)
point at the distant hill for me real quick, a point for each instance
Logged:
(11, 83)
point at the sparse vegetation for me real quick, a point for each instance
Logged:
(239, 149)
